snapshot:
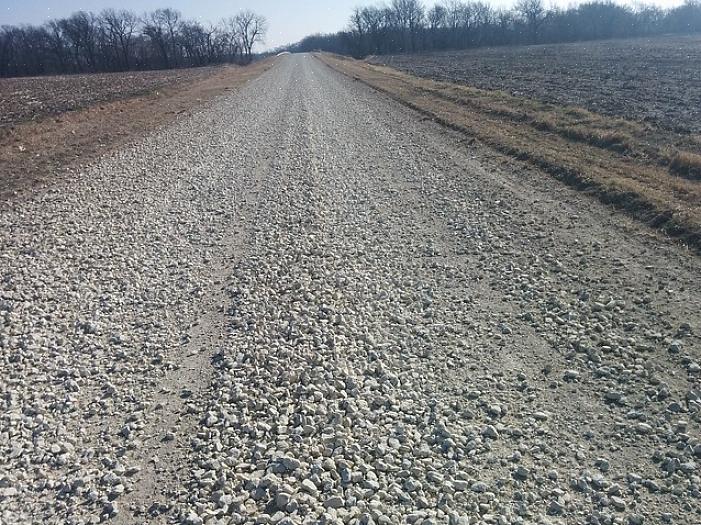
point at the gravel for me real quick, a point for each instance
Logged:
(339, 313)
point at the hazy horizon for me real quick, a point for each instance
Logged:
(288, 22)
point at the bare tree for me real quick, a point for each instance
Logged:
(251, 29)
(376, 22)
(171, 18)
(118, 40)
(533, 14)
(161, 27)
(194, 40)
(215, 44)
(357, 24)
(233, 43)
(504, 21)
(366, 28)
(482, 19)
(409, 15)
(81, 31)
(121, 26)
(8, 35)
(437, 17)
(453, 11)
(57, 43)
(436, 20)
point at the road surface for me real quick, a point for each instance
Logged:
(307, 304)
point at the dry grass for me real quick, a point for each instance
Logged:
(602, 138)
(608, 157)
(686, 164)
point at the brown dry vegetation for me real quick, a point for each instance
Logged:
(613, 158)
(55, 142)
(686, 164)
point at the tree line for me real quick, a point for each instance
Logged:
(407, 26)
(120, 40)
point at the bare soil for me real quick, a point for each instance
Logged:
(59, 139)
(655, 80)
(35, 98)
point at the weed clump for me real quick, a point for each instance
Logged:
(686, 164)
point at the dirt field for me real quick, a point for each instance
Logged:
(34, 98)
(652, 80)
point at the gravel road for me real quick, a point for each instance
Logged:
(306, 304)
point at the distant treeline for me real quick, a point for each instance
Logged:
(407, 26)
(119, 40)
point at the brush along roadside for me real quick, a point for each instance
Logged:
(613, 159)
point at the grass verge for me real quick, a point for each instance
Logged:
(610, 158)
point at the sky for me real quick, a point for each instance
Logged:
(289, 20)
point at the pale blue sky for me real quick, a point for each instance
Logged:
(289, 20)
